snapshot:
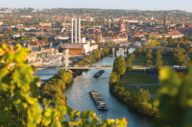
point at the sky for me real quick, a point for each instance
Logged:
(103, 4)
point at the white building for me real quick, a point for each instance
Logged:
(76, 49)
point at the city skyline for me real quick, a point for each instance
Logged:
(107, 4)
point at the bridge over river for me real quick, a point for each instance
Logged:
(88, 67)
(103, 67)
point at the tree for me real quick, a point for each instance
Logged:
(153, 43)
(159, 59)
(143, 95)
(106, 51)
(97, 54)
(129, 64)
(180, 57)
(113, 78)
(18, 89)
(132, 57)
(159, 62)
(119, 65)
(149, 57)
(149, 62)
(138, 50)
(149, 54)
(174, 99)
(65, 76)
(129, 61)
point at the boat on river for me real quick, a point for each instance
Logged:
(98, 74)
(98, 100)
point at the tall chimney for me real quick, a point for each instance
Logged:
(79, 30)
(76, 30)
(72, 31)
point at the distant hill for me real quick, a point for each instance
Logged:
(114, 12)
(107, 12)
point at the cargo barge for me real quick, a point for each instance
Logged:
(98, 74)
(98, 100)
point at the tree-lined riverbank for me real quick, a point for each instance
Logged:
(140, 102)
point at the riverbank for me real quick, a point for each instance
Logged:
(138, 102)
(93, 57)
(137, 99)
(54, 87)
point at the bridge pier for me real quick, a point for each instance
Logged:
(66, 58)
(113, 52)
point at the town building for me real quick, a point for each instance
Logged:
(45, 24)
(1, 23)
(174, 34)
(76, 49)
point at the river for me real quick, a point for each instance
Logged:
(78, 95)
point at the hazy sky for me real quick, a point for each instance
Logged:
(106, 4)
